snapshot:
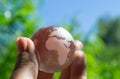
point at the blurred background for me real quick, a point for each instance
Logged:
(95, 23)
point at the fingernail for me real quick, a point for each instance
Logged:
(21, 44)
(31, 46)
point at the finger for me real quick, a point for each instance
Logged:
(29, 48)
(24, 69)
(77, 69)
(43, 75)
(27, 61)
(21, 44)
(65, 73)
(78, 45)
(25, 44)
(78, 66)
(27, 65)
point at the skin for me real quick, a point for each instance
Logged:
(27, 66)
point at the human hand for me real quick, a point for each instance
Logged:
(27, 65)
(77, 69)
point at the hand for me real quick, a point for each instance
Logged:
(27, 65)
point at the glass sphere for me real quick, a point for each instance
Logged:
(54, 48)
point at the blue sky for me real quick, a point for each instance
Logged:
(56, 12)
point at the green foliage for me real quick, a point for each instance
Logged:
(111, 37)
(16, 20)
(102, 50)
(109, 30)
(57, 75)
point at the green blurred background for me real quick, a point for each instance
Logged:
(101, 41)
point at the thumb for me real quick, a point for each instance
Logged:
(26, 66)
(26, 49)
(25, 45)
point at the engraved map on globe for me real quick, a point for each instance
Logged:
(54, 48)
(59, 43)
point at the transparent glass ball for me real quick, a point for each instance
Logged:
(54, 48)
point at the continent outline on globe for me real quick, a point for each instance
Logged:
(54, 48)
